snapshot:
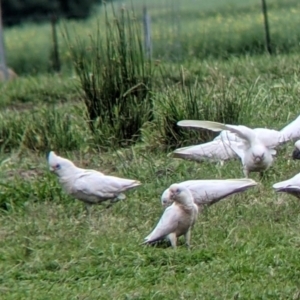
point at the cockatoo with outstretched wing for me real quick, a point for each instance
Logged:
(221, 148)
(256, 154)
(178, 219)
(89, 186)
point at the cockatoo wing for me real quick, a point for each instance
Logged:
(105, 187)
(291, 131)
(216, 150)
(241, 131)
(289, 189)
(291, 185)
(214, 126)
(269, 137)
(227, 136)
(212, 191)
(167, 224)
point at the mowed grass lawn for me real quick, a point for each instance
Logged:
(245, 247)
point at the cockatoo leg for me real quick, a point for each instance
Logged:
(187, 237)
(88, 209)
(246, 172)
(173, 239)
(261, 175)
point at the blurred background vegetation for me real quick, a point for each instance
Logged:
(124, 95)
(16, 11)
(179, 31)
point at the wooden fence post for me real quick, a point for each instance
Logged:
(267, 30)
(3, 66)
(55, 51)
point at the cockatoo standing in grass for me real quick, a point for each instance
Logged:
(222, 147)
(178, 219)
(256, 154)
(210, 191)
(89, 186)
(290, 186)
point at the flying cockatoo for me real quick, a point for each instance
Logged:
(221, 148)
(178, 219)
(296, 152)
(290, 186)
(89, 186)
(256, 154)
(208, 192)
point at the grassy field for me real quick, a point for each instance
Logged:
(244, 247)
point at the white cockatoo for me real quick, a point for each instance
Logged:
(210, 191)
(256, 154)
(290, 186)
(296, 152)
(178, 219)
(89, 186)
(222, 147)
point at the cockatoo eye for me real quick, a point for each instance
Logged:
(57, 167)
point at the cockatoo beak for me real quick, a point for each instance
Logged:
(52, 169)
(257, 159)
(173, 194)
(165, 203)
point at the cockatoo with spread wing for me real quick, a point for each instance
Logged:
(178, 219)
(89, 186)
(290, 186)
(221, 148)
(210, 191)
(256, 154)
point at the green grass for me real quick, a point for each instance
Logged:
(245, 247)
(26, 91)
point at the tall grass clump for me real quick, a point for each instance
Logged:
(194, 101)
(116, 79)
(58, 128)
